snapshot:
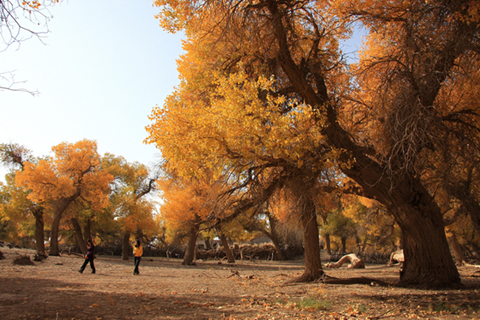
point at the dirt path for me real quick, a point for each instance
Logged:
(53, 289)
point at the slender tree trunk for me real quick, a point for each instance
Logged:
(456, 248)
(126, 245)
(79, 236)
(225, 245)
(208, 244)
(328, 244)
(54, 250)
(189, 257)
(39, 230)
(344, 244)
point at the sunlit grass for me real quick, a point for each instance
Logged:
(306, 303)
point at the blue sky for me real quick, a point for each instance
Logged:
(104, 66)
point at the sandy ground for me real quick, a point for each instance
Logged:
(54, 289)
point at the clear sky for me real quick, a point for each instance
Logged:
(104, 66)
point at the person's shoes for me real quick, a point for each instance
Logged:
(93, 272)
(81, 271)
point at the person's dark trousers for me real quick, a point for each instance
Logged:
(85, 264)
(136, 261)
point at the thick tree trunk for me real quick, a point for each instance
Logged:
(428, 262)
(79, 235)
(313, 264)
(87, 230)
(274, 238)
(59, 208)
(39, 231)
(189, 257)
(126, 245)
(226, 247)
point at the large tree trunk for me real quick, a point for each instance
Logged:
(301, 187)
(226, 247)
(313, 264)
(274, 238)
(39, 230)
(87, 230)
(59, 208)
(189, 257)
(126, 245)
(79, 235)
(428, 261)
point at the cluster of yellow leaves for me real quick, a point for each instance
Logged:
(233, 126)
(74, 168)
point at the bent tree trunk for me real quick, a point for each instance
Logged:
(79, 235)
(189, 258)
(125, 245)
(225, 245)
(428, 261)
(59, 208)
(39, 230)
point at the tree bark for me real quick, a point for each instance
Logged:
(226, 247)
(39, 230)
(189, 257)
(59, 208)
(327, 244)
(87, 230)
(313, 265)
(208, 244)
(456, 248)
(274, 238)
(79, 235)
(126, 245)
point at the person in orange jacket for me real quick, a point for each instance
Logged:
(137, 255)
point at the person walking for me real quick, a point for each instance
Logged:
(89, 257)
(137, 255)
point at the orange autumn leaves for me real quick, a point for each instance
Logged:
(74, 168)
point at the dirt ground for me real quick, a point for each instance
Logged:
(54, 289)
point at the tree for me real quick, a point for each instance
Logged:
(133, 182)
(187, 203)
(73, 174)
(361, 123)
(16, 156)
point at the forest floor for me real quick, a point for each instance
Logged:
(54, 289)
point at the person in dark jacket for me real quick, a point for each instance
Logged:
(89, 257)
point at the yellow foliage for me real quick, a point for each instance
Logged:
(75, 169)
